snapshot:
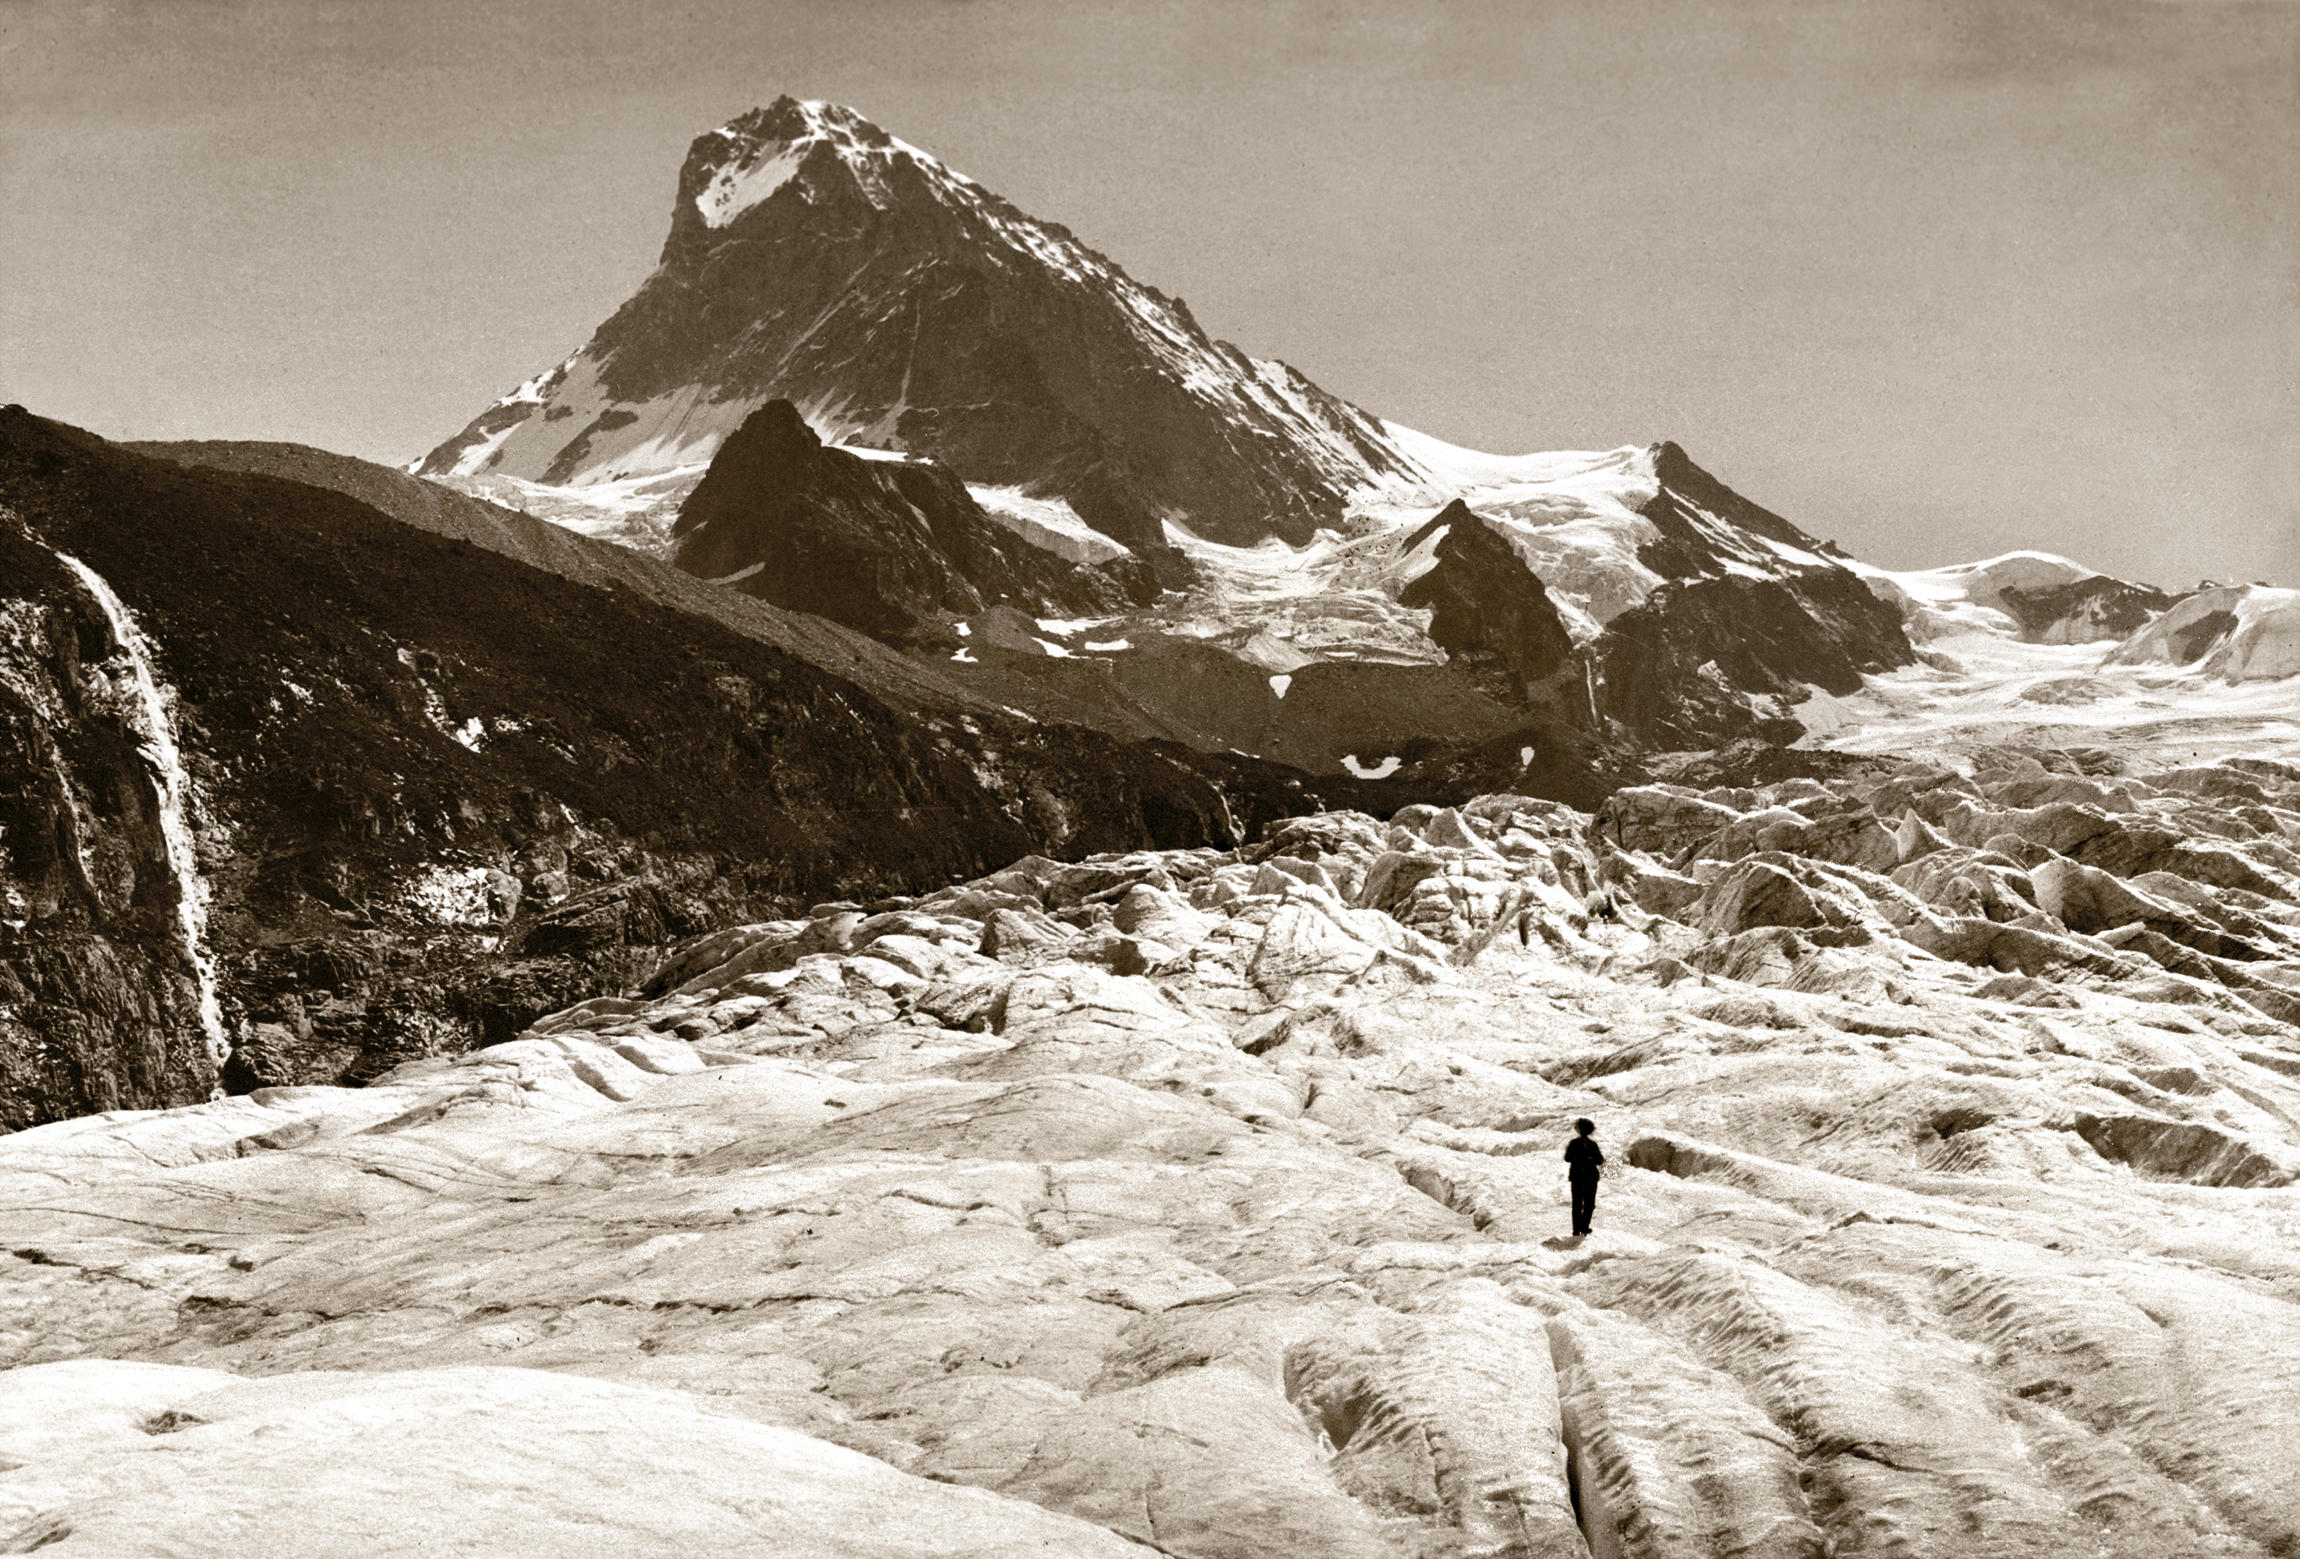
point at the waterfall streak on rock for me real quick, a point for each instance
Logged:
(174, 784)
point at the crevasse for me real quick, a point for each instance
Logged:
(174, 784)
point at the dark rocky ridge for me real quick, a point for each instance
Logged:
(884, 546)
(1705, 661)
(903, 681)
(1168, 689)
(876, 281)
(445, 791)
(1734, 634)
(639, 774)
(1690, 497)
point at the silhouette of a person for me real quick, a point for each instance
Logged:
(1582, 1161)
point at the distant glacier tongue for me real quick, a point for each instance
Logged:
(174, 785)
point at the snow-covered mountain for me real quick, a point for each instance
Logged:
(814, 257)
(1338, 587)
(2035, 596)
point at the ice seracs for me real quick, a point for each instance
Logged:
(1209, 1202)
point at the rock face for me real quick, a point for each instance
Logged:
(1721, 658)
(815, 258)
(1208, 1202)
(604, 564)
(2083, 610)
(1749, 616)
(100, 987)
(1703, 618)
(884, 545)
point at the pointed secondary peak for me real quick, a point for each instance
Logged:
(777, 429)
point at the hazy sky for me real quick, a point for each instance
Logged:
(1936, 279)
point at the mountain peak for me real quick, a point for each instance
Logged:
(814, 257)
(747, 160)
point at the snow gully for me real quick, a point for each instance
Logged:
(174, 783)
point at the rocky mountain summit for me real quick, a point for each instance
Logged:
(815, 258)
(1207, 1203)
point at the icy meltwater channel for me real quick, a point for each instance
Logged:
(174, 783)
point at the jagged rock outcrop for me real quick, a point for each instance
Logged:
(1208, 1201)
(1711, 660)
(2083, 610)
(590, 560)
(1749, 616)
(887, 546)
(1492, 615)
(1687, 510)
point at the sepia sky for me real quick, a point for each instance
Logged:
(1936, 278)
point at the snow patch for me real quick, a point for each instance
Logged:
(1382, 770)
(737, 187)
(636, 512)
(1281, 681)
(1823, 715)
(452, 895)
(1046, 523)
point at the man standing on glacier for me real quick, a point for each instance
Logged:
(1584, 1161)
